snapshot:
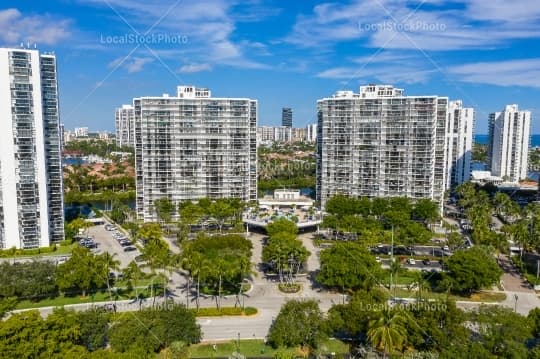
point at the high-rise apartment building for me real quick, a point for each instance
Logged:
(509, 137)
(459, 141)
(192, 146)
(286, 117)
(31, 198)
(124, 121)
(381, 143)
(81, 131)
(311, 133)
(298, 134)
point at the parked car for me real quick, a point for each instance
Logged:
(140, 258)
(125, 243)
(130, 249)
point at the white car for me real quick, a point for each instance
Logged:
(411, 261)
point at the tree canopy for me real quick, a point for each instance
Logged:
(472, 269)
(348, 265)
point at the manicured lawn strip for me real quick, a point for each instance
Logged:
(77, 299)
(255, 348)
(60, 250)
(490, 297)
(214, 312)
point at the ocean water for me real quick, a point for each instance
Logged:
(483, 139)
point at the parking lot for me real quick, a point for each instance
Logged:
(107, 243)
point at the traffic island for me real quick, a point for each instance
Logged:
(290, 288)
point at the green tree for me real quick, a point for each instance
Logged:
(221, 210)
(426, 210)
(352, 319)
(454, 241)
(154, 329)
(164, 208)
(132, 274)
(80, 271)
(119, 212)
(217, 260)
(502, 332)
(286, 254)
(31, 280)
(348, 265)
(150, 232)
(388, 332)
(6, 305)
(472, 269)
(281, 225)
(106, 263)
(435, 326)
(298, 323)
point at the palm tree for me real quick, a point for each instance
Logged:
(421, 283)
(388, 332)
(395, 268)
(133, 273)
(108, 262)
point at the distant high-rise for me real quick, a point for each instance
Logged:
(380, 143)
(124, 121)
(286, 117)
(311, 132)
(459, 136)
(508, 149)
(192, 146)
(31, 197)
(81, 131)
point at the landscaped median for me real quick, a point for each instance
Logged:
(225, 311)
(256, 348)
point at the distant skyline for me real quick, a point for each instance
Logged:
(285, 54)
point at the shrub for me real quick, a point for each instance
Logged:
(214, 312)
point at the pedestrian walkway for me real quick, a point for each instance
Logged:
(511, 279)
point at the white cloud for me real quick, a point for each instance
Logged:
(132, 65)
(137, 64)
(39, 29)
(394, 23)
(207, 24)
(385, 73)
(192, 68)
(524, 72)
(518, 11)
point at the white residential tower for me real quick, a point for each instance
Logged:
(508, 149)
(31, 199)
(192, 146)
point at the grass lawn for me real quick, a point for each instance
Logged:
(405, 278)
(254, 348)
(78, 299)
(481, 296)
(60, 250)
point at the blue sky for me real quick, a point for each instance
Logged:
(283, 53)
